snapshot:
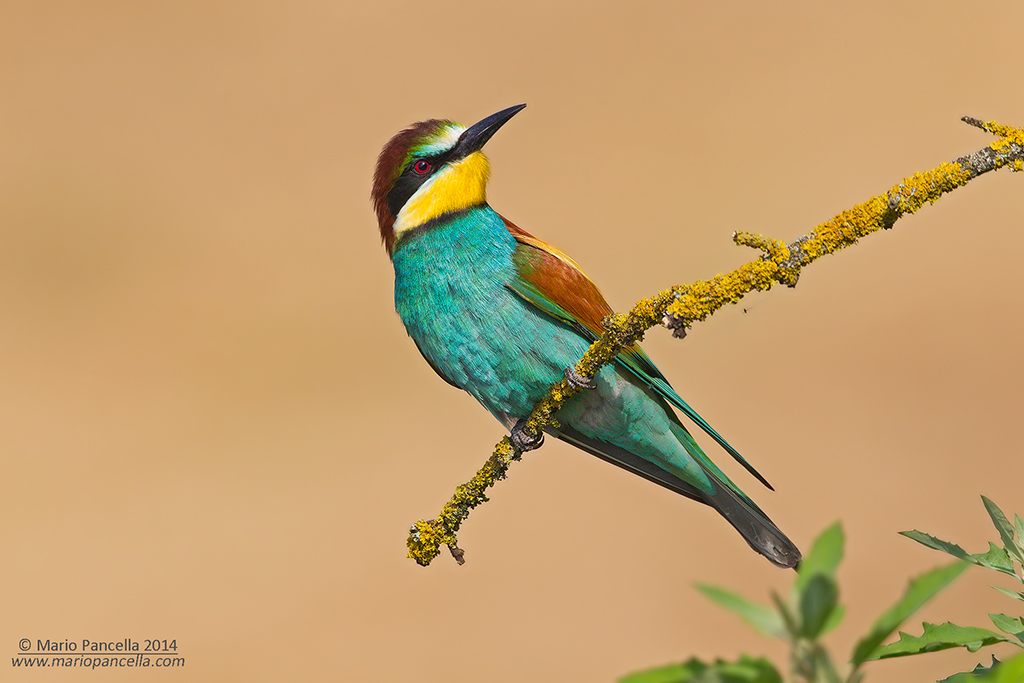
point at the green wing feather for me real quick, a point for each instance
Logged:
(554, 283)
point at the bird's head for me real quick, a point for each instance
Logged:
(431, 169)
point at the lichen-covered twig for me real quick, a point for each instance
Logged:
(681, 306)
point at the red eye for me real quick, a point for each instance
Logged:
(422, 167)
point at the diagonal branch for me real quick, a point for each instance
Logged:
(679, 307)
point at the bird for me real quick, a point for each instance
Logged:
(503, 315)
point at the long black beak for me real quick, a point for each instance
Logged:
(477, 135)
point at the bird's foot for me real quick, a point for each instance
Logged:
(522, 441)
(578, 381)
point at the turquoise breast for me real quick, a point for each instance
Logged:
(451, 293)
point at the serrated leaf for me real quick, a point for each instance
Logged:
(940, 637)
(746, 670)
(1005, 530)
(936, 543)
(823, 558)
(1012, 594)
(818, 599)
(1008, 671)
(919, 591)
(1012, 625)
(972, 676)
(1018, 524)
(996, 558)
(761, 617)
(967, 676)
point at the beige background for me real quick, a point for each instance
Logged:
(214, 428)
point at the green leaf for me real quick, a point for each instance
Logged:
(746, 670)
(920, 590)
(790, 622)
(972, 676)
(967, 676)
(762, 618)
(1012, 594)
(936, 543)
(672, 673)
(996, 558)
(824, 557)
(815, 593)
(834, 620)
(1012, 625)
(818, 599)
(940, 637)
(1007, 671)
(1005, 530)
(1018, 523)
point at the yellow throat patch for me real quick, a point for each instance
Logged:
(455, 187)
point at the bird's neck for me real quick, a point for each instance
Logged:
(465, 241)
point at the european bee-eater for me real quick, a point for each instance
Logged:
(503, 315)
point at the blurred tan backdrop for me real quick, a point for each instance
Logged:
(214, 428)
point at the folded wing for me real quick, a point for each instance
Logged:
(550, 280)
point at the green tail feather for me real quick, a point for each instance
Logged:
(755, 527)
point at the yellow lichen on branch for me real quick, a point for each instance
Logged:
(427, 537)
(782, 262)
(680, 306)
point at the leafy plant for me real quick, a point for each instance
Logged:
(813, 609)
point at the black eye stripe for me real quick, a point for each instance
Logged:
(410, 180)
